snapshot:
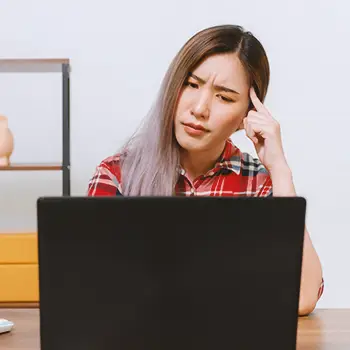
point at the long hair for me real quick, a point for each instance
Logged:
(150, 159)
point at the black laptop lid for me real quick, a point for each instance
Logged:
(169, 273)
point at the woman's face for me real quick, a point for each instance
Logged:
(215, 98)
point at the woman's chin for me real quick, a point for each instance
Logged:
(191, 144)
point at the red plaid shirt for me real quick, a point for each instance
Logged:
(235, 174)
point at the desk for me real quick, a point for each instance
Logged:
(323, 330)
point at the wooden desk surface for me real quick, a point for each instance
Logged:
(323, 330)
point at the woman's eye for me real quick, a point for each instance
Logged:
(192, 85)
(226, 99)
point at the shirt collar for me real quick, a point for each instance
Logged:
(229, 159)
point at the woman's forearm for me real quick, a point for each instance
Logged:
(311, 277)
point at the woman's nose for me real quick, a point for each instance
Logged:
(200, 107)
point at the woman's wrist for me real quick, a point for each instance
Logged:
(281, 170)
(282, 181)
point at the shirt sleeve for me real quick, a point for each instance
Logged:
(105, 181)
(320, 290)
(265, 186)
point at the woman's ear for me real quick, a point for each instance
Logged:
(241, 125)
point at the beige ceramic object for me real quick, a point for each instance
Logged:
(6, 142)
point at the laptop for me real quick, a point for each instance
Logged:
(169, 273)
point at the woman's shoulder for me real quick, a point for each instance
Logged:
(244, 162)
(106, 180)
(252, 166)
(255, 177)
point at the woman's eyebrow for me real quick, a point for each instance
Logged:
(216, 87)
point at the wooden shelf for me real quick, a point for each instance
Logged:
(20, 305)
(31, 167)
(32, 65)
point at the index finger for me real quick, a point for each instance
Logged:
(259, 106)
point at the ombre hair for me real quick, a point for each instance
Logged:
(150, 159)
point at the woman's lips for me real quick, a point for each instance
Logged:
(194, 129)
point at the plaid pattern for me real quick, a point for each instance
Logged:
(321, 289)
(235, 174)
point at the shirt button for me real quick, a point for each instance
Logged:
(192, 190)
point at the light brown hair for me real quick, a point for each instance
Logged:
(150, 158)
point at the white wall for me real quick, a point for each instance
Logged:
(119, 52)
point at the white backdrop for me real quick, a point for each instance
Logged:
(119, 53)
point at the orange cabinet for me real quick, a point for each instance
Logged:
(19, 268)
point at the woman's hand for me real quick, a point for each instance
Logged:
(265, 133)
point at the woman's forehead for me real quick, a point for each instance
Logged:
(224, 68)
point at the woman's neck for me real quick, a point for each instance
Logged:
(198, 163)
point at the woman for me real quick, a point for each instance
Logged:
(215, 86)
